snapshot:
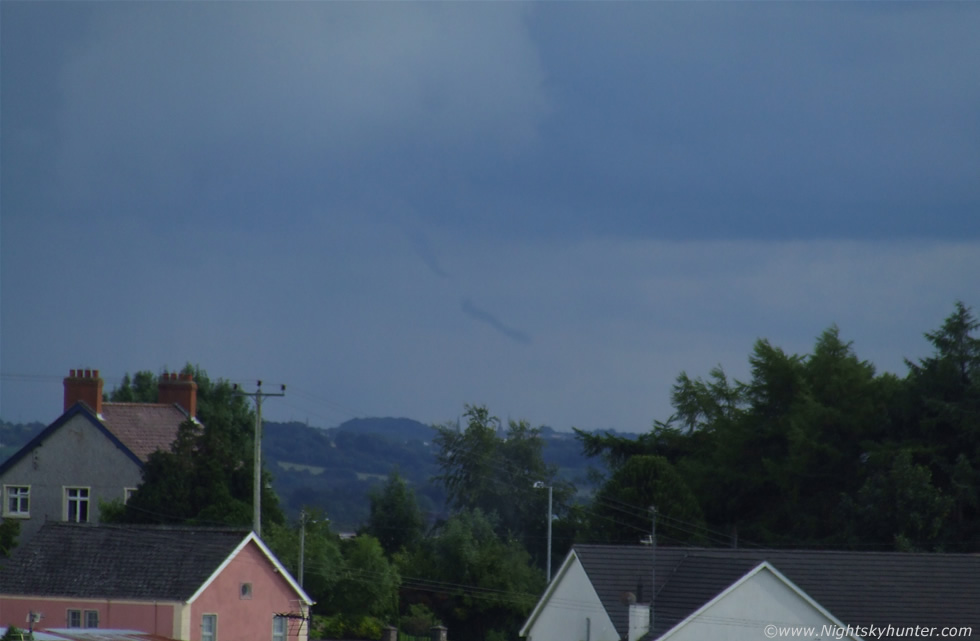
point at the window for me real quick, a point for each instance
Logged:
(245, 592)
(74, 618)
(128, 494)
(17, 500)
(76, 504)
(91, 618)
(279, 628)
(209, 627)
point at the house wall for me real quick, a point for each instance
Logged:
(573, 611)
(248, 619)
(152, 617)
(743, 614)
(65, 458)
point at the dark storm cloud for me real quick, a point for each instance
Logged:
(490, 319)
(663, 120)
(759, 120)
(268, 189)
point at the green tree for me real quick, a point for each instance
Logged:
(323, 559)
(899, 505)
(473, 579)
(395, 519)
(494, 470)
(944, 417)
(206, 477)
(367, 583)
(770, 458)
(139, 388)
(620, 508)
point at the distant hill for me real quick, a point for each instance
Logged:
(335, 469)
(14, 436)
(397, 429)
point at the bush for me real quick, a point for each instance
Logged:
(16, 634)
(367, 628)
(340, 627)
(418, 620)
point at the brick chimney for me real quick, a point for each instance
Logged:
(180, 389)
(84, 385)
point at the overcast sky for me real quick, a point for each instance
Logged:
(550, 208)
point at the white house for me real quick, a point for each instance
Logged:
(603, 593)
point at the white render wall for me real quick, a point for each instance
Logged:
(744, 612)
(573, 602)
(639, 621)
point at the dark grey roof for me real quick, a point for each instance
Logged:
(859, 588)
(117, 561)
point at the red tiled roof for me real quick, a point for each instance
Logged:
(143, 427)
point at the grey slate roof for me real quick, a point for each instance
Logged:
(167, 563)
(859, 588)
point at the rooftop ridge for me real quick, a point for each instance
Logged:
(135, 404)
(176, 527)
(695, 551)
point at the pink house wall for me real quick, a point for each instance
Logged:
(241, 619)
(156, 618)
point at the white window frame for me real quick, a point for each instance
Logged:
(68, 618)
(21, 497)
(68, 500)
(87, 622)
(280, 635)
(213, 634)
(128, 493)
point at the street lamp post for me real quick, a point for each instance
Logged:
(540, 485)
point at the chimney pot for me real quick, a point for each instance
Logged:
(80, 385)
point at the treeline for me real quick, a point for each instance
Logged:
(814, 450)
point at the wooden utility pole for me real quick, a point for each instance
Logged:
(258, 395)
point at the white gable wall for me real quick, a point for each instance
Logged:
(573, 611)
(742, 612)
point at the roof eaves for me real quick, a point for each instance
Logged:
(268, 554)
(282, 570)
(539, 607)
(765, 565)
